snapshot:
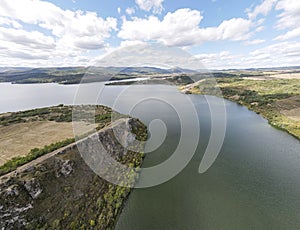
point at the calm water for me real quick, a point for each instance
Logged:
(254, 183)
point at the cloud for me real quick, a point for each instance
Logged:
(181, 28)
(278, 55)
(18, 43)
(55, 32)
(259, 29)
(148, 5)
(285, 49)
(119, 10)
(290, 16)
(289, 35)
(130, 10)
(264, 8)
(33, 39)
(9, 22)
(288, 19)
(131, 43)
(23, 51)
(255, 42)
(150, 55)
(221, 60)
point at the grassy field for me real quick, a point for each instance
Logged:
(21, 132)
(277, 100)
(19, 139)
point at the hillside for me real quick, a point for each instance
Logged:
(60, 191)
(74, 75)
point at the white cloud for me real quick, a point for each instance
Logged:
(222, 60)
(181, 28)
(280, 54)
(264, 8)
(150, 55)
(259, 29)
(9, 22)
(255, 42)
(290, 16)
(130, 10)
(33, 39)
(289, 35)
(234, 29)
(70, 33)
(131, 43)
(147, 5)
(288, 19)
(119, 10)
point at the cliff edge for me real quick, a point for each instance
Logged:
(60, 191)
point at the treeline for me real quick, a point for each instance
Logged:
(58, 113)
(42, 75)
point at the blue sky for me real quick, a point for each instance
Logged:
(220, 34)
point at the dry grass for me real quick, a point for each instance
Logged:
(290, 107)
(293, 114)
(19, 139)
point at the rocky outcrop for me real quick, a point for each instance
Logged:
(63, 167)
(33, 187)
(62, 191)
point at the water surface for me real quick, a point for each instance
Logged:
(254, 183)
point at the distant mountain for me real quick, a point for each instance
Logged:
(181, 70)
(7, 69)
(73, 75)
(41, 75)
(143, 70)
(149, 70)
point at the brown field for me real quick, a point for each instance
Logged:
(19, 139)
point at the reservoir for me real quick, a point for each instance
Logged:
(253, 184)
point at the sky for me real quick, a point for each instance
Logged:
(221, 34)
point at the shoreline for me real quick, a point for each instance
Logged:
(268, 120)
(248, 96)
